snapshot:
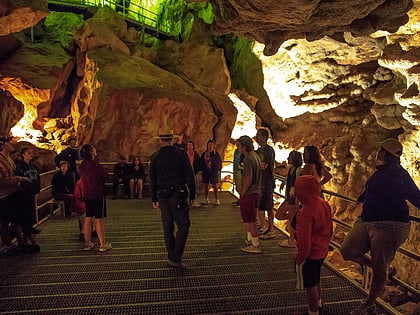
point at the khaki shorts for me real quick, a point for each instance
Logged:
(381, 238)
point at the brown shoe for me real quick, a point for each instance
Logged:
(285, 243)
(179, 265)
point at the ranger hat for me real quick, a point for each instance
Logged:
(392, 146)
(165, 133)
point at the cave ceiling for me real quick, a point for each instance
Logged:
(272, 22)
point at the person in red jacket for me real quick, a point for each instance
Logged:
(94, 177)
(313, 234)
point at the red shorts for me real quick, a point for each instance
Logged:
(249, 204)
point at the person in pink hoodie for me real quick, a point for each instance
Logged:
(313, 234)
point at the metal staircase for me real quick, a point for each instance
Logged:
(133, 277)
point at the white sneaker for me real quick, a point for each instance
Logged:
(266, 235)
(252, 249)
(89, 246)
(217, 203)
(206, 202)
(105, 247)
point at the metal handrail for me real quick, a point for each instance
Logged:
(133, 12)
(401, 250)
(278, 194)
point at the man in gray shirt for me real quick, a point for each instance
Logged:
(250, 193)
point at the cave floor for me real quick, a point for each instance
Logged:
(133, 277)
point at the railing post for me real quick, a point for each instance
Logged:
(365, 274)
(142, 26)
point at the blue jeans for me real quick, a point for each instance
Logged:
(175, 210)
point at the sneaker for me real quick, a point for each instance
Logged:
(89, 246)
(261, 230)
(266, 235)
(196, 204)
(206, 202)
(217, 203)
(285, 243)
(179, 265)
(81, 237)
(247, 243)
(251, 249)
(105, 247)
(364, 310)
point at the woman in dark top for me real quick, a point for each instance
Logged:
(314, 166)
(136, 177)
(62, 185)
(27, 197)
(94, 177)
(211, 165)
(195, 161)
(288, 208)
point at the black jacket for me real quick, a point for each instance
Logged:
(170, 167)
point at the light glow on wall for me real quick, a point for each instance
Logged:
(246, 124)
(30, 98)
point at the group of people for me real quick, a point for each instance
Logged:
(313, 222)
(206, 168)
(19, 190)
(83, 191)
(131, 176)
(381, 229)
(312, 166)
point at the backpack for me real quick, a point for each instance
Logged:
(78, 204)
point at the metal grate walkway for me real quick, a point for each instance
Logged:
(133, 277)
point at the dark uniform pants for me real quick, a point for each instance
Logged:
(174, 209)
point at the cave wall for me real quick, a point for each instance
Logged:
(103, 80)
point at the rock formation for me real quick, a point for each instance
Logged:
(98, 89)
(273, 22)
